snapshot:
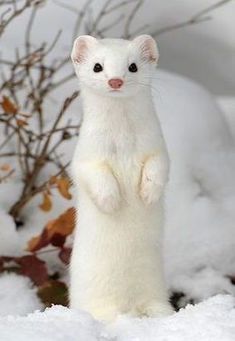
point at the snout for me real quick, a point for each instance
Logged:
(115, 83)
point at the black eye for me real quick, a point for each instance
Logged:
(98, 68)
(133, 68)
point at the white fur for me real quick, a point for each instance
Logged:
(120, 168)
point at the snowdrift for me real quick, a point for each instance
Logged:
(211, 320)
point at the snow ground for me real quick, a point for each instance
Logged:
(199, 238)
(17, 296)
(211, 320)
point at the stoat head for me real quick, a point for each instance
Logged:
(114, 67)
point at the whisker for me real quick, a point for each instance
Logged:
(147, 85)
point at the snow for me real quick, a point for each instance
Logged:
(211, 320)
(200, 198)
(8, 232)
(17, 296)
(202, 284)
(228, 106)
(57, 323)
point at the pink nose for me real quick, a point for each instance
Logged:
(115, 83)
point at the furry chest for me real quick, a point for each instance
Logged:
(116, 143)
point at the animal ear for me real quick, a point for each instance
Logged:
(148, 48)
(80, 48)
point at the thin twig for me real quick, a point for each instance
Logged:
(127, 31)
(7, 176)
(197, 18)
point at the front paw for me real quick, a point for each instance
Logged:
(107, 197)
(153, 179)
(150, 192)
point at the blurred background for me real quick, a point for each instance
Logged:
(40, 115)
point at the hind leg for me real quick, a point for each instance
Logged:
(155, 309)
(105, 313)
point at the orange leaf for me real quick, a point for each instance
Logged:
(53, 180)
(55, 232)
(5, 167)
(63, 225)
(8, 106)
(38, 242)
(63, 186)
(21, 123)
(46, 204)
(33, 244)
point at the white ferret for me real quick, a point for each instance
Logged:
(120, 168)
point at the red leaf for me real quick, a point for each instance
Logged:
(34, 268)
(58, 240)
(65, 254)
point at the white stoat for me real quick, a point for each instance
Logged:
(120, 168)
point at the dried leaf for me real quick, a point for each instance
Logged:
(35, 244)
(53, 292)
(55, 232)
(34, 268)
(63, 225)
(46, 204)
(38, 242)
(8, 106)
(21, 123)
(63, 186)
(57, 240)
(5, 167)
(65, 255)
(53, 180)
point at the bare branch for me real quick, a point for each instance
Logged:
(127, 31)
(7, 176)
(14, 12)
(197, 18)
